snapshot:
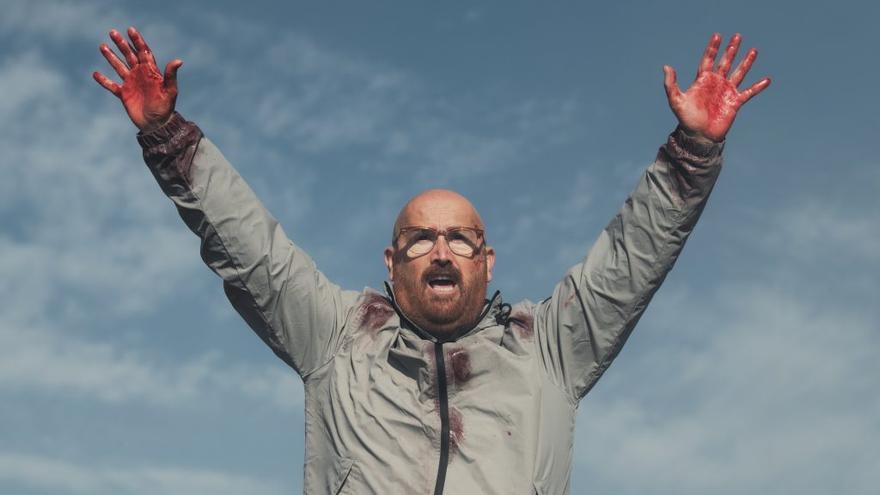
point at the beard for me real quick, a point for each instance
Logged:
(441, 299)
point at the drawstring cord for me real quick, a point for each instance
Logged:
(503, 314)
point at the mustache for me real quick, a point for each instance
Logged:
(449, 272)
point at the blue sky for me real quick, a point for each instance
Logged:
(124, 371)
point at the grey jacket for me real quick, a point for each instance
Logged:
(390, 409)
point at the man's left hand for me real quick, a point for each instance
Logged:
(709, 106)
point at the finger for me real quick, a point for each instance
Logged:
(107, 83)
(124, 48)
(729, 54)
(753, 90)
(709, 55)
(669, 83)
(144, 55)
(170, 82)
(743, 68)
(118, 65)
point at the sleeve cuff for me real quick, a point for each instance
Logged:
(695, 145)
(163, 134)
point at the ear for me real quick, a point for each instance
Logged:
(389, 262)
(490, 262)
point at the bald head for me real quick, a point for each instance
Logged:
(438, 208)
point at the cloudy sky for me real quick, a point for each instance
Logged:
(124, 371)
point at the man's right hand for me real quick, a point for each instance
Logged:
(148, 97)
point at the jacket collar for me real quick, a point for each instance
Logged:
(494, 312)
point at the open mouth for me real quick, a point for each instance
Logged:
(442, 284)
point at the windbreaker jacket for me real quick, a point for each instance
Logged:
(389, 409)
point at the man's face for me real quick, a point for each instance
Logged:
(440, 291)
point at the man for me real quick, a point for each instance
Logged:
(431, 388)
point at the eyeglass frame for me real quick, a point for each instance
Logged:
(437, 233)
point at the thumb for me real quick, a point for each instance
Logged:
(669, 82)
(170, 82)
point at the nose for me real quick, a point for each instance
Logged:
(441, 252)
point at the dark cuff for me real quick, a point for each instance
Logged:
(694, 146)
(175, 126)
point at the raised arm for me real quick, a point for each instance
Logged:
(272, 283)
(583, 325)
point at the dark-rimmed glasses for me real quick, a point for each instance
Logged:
(419, 241)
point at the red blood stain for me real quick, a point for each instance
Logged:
(374, 312)
(456, 430)
(458, 366)
(525, 323)
(718, 97)
(712, 88)
(709, 105)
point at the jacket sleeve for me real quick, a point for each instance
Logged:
(581, 328)
(271, 282)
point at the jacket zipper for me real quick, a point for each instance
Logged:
(442, 392)
(444, 418)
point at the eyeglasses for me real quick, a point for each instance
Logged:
(419, 241)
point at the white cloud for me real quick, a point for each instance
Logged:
(749, 387)
(815, 229)
(323, 101)
(563, 223)
(472, 16)
(87, 234)
(47, 473)
(39, 354)
(778, 398)
(56, 20)
(81, 218)
(25, 82)
(39, 358)
(57, 23)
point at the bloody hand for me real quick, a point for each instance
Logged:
(147, 96)
(709, 106)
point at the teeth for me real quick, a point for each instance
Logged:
(443, 288)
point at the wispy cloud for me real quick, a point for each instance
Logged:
(56, 20)
(752, 386)
(64, 165)
(87, 234)
(472, 16)
(34, 358)
(58, 475)
(765, 383)
(772, 394)
(323, 102)
(823, 230)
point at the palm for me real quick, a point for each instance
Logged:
(710, 104)
(144, 96)
(147, 96)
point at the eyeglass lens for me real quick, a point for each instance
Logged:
(461, 241)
